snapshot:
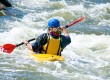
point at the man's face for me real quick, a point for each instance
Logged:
(55, 31)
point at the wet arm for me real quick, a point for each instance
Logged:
(28, 45)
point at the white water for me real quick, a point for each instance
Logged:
(86, 58)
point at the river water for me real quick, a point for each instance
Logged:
(86, 58)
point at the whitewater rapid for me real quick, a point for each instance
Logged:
(86, 58)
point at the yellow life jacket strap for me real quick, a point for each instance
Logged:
(59, 53)
(47, 43)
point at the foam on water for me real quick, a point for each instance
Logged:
(86, 58)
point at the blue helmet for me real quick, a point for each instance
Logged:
(54, 23)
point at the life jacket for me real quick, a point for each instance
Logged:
(52, 46)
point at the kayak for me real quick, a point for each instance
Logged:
(2, 13)
(46, 57)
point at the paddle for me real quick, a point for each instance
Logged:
(8, 48)
(76, 21)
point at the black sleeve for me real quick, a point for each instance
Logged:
(65, 40)
(41, 40)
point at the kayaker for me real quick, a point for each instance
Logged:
(4, 4)
(52, 42)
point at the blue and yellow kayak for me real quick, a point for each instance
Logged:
(46, 57)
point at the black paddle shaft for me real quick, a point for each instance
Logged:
(23, 43)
